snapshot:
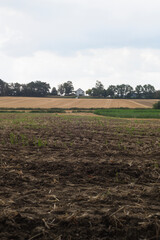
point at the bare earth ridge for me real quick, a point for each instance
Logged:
(79, 178)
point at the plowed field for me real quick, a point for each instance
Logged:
(78, 178)
(17, 102)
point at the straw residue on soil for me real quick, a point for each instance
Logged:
(79, 178)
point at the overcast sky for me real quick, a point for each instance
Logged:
(82, 41)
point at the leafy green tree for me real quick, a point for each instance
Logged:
(15, 89)
(157, 94)
(54, 91)
(24, 90)
(124, 91)
(156, 105)
(111, 91)
(149, 91)
(120, 90)
(97, 91)
(37, 89)
(104, 93)
(89, 92)
(66, 88)
(61, 89)
(128, 91)
(99, 88)
(139, 91)
(3, 88)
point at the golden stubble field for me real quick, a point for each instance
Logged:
(31, 102)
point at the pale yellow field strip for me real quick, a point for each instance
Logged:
(31, 102)
(141, 105)
(146, 102)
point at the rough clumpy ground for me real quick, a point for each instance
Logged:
(72, 178)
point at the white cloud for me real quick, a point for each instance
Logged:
(111, 66)
(16, 30)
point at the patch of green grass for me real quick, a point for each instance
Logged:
(13, 138)
(11, 111)
(129, 113)
(156, 105)
(48, 111)
(82, 111)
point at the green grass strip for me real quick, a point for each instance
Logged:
(129, 113)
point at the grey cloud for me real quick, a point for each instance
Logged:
(65, 26)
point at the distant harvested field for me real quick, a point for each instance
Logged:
(30, 102)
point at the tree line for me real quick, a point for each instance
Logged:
(43, 89)
(123, 91)
(35, 89)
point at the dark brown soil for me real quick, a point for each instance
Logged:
(71, 178)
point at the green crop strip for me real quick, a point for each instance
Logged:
(129, 113)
